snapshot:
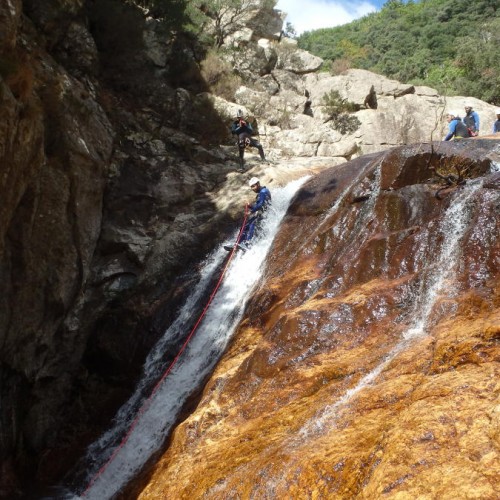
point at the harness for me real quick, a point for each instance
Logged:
(243, 140)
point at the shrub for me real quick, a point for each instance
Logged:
(338, 66)
(219, 76)
(346, 124)
(338, 110)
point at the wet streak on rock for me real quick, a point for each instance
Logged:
(279, 416)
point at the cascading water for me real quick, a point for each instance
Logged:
(376, 342)
(114, 459)
(455, 222)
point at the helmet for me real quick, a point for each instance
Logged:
(239, 114)
(253, 181)
(455, 114)
(467, 106)
(497, 111)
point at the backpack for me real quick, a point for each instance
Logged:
(460, 129)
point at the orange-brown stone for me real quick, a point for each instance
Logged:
(326, 391)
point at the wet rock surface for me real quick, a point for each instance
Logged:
(368, 362)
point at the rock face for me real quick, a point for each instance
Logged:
(368, 365)
(112, 183)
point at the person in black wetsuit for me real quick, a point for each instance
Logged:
(456, 129)
(244, 131)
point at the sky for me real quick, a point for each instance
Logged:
(307, 15)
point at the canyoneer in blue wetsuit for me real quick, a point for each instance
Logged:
(255, 213)
(496, 124)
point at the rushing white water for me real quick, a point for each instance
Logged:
(114, 460)
(455, 222)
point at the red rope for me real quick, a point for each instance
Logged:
(147, 402)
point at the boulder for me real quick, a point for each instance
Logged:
(297, 61)
(266, 22)
(157, 49)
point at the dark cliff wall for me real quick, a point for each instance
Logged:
(103, 204)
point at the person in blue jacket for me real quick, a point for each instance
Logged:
(256, 210)
(243, 129)
(456, 129)
(471, 121)
(496, 124)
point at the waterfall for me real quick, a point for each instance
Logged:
(139, 429)
(454, 224)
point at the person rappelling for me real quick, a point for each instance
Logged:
(244, 131)
(255, 211)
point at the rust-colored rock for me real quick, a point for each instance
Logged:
(368, 365)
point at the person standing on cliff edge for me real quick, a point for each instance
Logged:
(243, 129)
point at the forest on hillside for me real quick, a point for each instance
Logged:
(450, 45)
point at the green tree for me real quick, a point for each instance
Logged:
(479, 69)
(430, 42)
(290, 31)
(338, 110)
(225, 17)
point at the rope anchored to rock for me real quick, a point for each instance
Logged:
(148, 401)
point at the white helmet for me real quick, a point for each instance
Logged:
(453, 113)
(253, 181)
(497, 111)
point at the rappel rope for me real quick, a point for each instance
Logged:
(147, 402)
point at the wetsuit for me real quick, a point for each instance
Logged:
(262, 202)
(244, 132)
(456, 129)
(471, 121)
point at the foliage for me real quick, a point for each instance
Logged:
(227, 16)
(480, 68)
(345, 124)
(448, 44)
(290, 31)
(219, 76)
(335, 104)
(210, 21)
(338, 110)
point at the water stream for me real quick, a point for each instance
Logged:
(454, 224)
(111, 464)
(120, 453)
